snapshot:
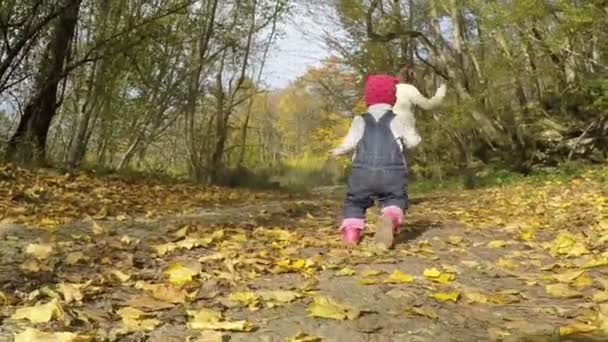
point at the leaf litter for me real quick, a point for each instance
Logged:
(551, 254)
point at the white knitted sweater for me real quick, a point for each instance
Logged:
(404, 127)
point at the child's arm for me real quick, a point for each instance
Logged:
(352, 137)
(414, 95)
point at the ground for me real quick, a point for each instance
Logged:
(524, 262)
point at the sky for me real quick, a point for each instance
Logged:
(294, 52)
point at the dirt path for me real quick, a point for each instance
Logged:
(267, 263)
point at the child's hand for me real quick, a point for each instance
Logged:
(335, 153)
(441, 91)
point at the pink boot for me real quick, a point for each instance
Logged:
(351, 229)
(395, 214)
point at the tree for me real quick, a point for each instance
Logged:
(28, 143)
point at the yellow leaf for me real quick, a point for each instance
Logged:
(568, 277)
(398, 277)
(497, 244)
(194, 242)
(179, 274)
(71, 292)
(346, 271)
(576, 328)
(302, 337)
(96, 228)
(164, 249)
(120, 276)
(424, 311)
(435, 275)
(506, 263)
(34, 335)
(209, 336)
(446, 296)
(74, 257)
(475, 297)
(526, 235)
(133, 320)
(164, 292)
(326, 307)
(298, 264)
(245, 298)
(181, 233)
(369, 281)
(212, 320)
(40, 313)
(455, 240)
(431, 273)
(279, 296)
(583, 281)
(39, 251)
(566, 244)
(600, 297)
(561, 291)
(371, 273)
(596, 262)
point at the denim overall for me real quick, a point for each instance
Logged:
(378, 170)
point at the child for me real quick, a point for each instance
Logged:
(379, 168)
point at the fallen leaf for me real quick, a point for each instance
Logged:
(245, 298)
(526, 235)
(497, 244)
(71, 292)
(455, 240)
(164, 249)
(134, 320)
(505, 263)
(148, 303)
(568, 277)
(476, 297)
(567, 244)
(276, 297)
(209, 336)
(398, 277)
(39, 251)
(584, 280)
(122, 277)
(40, 313)
(600, 296)
(595, 262)
(179, 274)
(423, 311)
(562, 291)
(326, 307)
(164, 292)
(191, 242)
(302, 337)
(96, 228)
(576, 328)
(75, 257)
(369, 281)
(35, 335)
(371, 273)
(437, 276)
(346, 271)
(213, 320)
(446, 296)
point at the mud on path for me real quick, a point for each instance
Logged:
(262, 266)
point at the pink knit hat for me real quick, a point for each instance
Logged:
(380, 89)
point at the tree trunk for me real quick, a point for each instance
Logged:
(28, 143)
(224, 112)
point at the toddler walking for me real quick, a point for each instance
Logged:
(379, 170)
